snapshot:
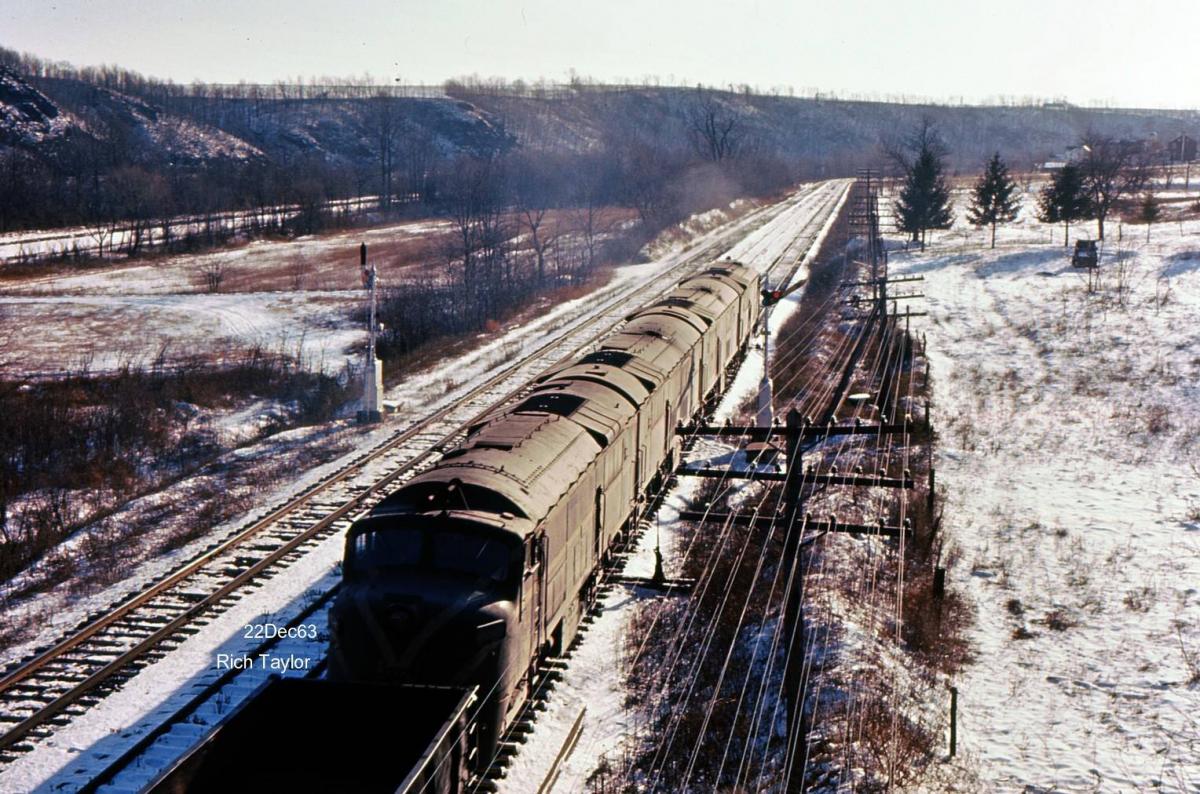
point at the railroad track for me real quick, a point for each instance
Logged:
(67, 679)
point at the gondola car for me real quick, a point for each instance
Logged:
(483, 564)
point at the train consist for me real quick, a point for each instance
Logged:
(481, 566)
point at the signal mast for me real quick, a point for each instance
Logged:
(372, 399)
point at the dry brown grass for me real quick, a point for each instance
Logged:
(77, 447)
(446, 347)
(13, 273)
(935, 628)
(399, 257)
(399, 253)
(892, 747)
(1057, 620)
(326, 261)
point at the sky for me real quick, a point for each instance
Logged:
(1095, 51)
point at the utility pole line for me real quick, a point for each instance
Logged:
(797, 483)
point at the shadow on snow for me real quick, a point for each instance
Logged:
(1183, 262)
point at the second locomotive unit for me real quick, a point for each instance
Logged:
(484, 564)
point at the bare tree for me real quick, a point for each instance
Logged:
(646, 179)
(716, 128)
(473, 197)
(136, 193)
(212, 275)
(533, 195)
(1111, 169)
(1148, 212)
(586, 216)
(418, 156)
(383, 121)
(102, 233)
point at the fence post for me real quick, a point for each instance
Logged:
(953, 720)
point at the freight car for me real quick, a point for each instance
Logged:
(481, 566)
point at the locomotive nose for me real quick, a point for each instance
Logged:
(432, 637)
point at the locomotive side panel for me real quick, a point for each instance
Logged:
(618, 494)
(556, 564)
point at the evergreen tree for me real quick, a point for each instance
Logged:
(1064, 200)
(993, 200)
(1148, 212)
(924, 202)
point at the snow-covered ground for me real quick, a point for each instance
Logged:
(326, 261)
(101, 333)
(419, 395)
(296, 296)
(292, 296)
(120, 720)
(1069, 453)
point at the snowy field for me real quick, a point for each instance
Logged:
(420, 394)
(15, 246)
(297, 297)
(290, 296)
(1069, 426)
(103, 333)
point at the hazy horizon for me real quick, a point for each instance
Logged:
(1080, 52)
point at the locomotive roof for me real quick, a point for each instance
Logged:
(525, 461)
(601, 410)
(734, 271)
(595, 368)
(681, 308)
(721, 288)
(657, 338)
(712, 293)
(616, 386)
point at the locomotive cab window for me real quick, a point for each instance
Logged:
(388, 548)
(474, 554)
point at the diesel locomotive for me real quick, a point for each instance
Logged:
(484, 564)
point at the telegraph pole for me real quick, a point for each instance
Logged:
(765, 415)
(372, 400)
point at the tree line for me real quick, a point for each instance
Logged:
(110, 177)
(1105, 172)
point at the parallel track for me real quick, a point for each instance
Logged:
(99, 655)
